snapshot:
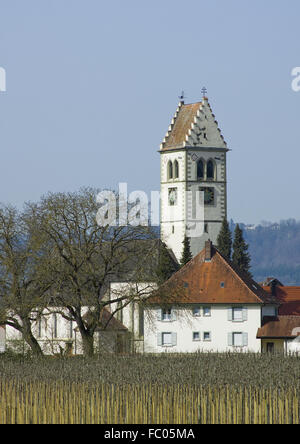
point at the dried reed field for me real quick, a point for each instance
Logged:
(169, 389)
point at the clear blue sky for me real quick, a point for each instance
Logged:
(92, 86)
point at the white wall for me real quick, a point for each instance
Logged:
(293, 345)
(185, 324)
(131, 315)
(51, 339)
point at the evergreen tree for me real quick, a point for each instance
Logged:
(224, 240)
(166, 265)
(186, 253)
(240, 255)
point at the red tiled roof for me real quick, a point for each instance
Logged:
(288, 298)
(279, 327)
(182, 124)
(200, 281)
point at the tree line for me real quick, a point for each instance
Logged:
(235, 250)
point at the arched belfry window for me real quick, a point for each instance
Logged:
(170, 170)
(210, 170)
(176, 170)
(200, 169)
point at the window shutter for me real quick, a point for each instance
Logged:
(159, 314)
(230, 341)
(173, 315)
(245, 314)
(159, 339)
(245, 339)
(229, 311)
(174, 338)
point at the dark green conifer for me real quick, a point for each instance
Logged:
(240, 255)
(224, 240)
(186, 253)
(166, 265)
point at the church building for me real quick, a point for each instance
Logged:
(193, 166)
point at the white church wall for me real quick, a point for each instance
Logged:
(132, 315)
(54, 333)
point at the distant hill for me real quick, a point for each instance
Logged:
(274, 250)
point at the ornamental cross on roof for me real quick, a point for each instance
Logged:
(204, 91)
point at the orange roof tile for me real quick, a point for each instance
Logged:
(214, 282)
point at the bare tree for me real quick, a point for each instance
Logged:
(22, 291)
(86, 257)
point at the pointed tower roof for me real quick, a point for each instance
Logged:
(193, 125)
(210, 278)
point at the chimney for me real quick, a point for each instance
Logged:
(208, 250)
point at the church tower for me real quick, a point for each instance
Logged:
(193, 178)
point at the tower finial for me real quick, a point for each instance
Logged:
(181, 97)
(204, 92)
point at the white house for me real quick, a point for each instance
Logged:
(208, 305)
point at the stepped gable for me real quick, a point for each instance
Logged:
(193, 125)
(209, 278)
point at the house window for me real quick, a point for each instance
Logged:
(167, 314)
(237, 339)
(196, 336)
(166, 338)
(70, 329)
(237, 314)
(196, 311)
(222, 285)
(205, 228)
(141, 321)
(206, 311)
(207, 336)
(54, 325)
(39, 332)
